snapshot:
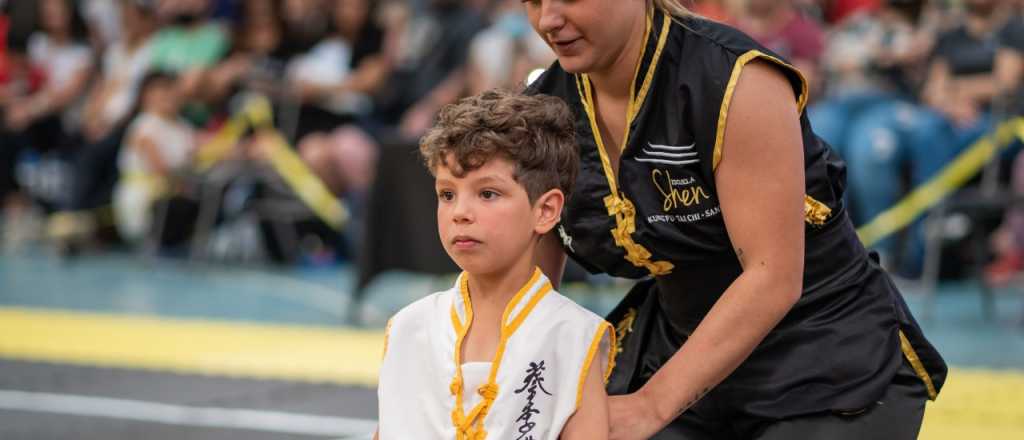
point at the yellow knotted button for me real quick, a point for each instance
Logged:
(488, 392)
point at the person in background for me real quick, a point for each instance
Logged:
(783, 29)
(336, 82)
(60, 49)
(189, 46)
(157, 144)
(125, 62)
(257, 60)
(873, 66)
(1007, 241)
(506, 53)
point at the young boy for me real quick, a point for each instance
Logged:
(500, 355)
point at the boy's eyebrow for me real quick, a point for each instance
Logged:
(490, 178)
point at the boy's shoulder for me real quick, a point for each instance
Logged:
(559, 309)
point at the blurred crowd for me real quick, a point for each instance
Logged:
(119, 118)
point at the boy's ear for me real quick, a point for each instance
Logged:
(548, 210)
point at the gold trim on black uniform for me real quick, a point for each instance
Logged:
(616, 202)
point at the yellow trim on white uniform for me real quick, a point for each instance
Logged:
(595, 344)
(471, 426)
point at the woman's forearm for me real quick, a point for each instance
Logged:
(754, 304)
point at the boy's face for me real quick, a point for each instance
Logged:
(485, 219)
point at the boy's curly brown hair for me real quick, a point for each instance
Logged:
(535, 133)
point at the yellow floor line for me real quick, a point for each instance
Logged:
(192, 346)
(976, 403)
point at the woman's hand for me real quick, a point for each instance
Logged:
(633, 417)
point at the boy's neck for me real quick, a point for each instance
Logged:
(494, 291)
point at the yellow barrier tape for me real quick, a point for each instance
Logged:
(952, 177)
(257, 112)
(307, 186)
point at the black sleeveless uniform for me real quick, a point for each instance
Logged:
(659, 220)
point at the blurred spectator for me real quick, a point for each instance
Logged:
(872, 67)
(189, 47)
(426, 69)
(19, 78)
(783, 29)
(334, 79)
(125, 62)
(104, 20)
(504, 54)
(335, 82)
(958, 92)
(305, 24)
(1008, 239)
(158, 143)
(257, 58)
(60, 49)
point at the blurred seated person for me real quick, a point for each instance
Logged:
(125, 61)
(507, 52)
(957, 93)
(305, 24)
(257, 59)
(334, 79)
(61, 50)
(189, 45)
(19, 78)
(424, 65)
(1008, 239)
(785, 30)
(874, 63)
(157, 144)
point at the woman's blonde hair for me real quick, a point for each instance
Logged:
(673, 7)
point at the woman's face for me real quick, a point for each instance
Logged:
(586, 35)
(56, 18)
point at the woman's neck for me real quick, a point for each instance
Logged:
(615, 80)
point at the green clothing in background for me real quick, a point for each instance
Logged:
(179, 49)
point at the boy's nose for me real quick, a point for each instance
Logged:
(462, 212)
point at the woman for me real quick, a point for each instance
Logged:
(764, 316)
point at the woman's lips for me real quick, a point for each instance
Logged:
(567, 47)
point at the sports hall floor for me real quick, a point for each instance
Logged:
(116, 347)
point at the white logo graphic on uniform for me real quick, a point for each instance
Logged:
(668, 154)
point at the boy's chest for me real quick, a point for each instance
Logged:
(482, 340)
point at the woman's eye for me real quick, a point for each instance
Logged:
(488, 194)
(446, 195)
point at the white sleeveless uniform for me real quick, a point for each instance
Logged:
(530, 389)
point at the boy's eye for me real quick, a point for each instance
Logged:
(488, 194)
(445, 195)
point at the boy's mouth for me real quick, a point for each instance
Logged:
(464, 242)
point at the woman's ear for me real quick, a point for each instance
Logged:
(547, 210)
